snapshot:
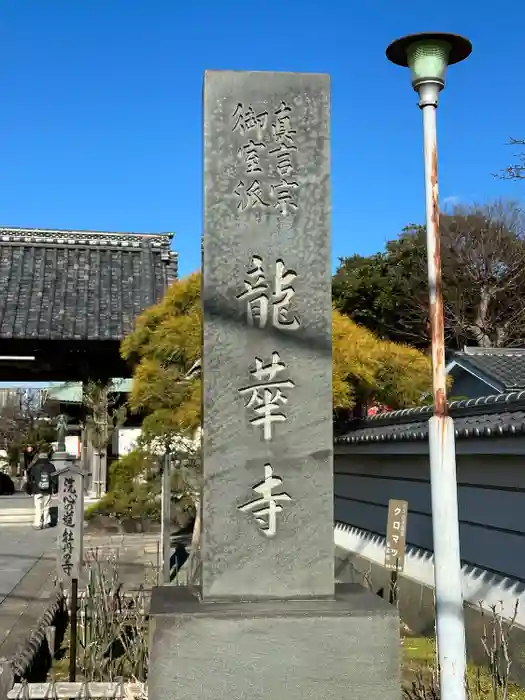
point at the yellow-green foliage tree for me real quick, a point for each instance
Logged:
(366, 369)
(163, 347)
(166, 343)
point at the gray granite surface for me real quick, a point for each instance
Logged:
(335, 650)
(267, 320)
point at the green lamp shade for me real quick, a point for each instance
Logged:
(428, 60)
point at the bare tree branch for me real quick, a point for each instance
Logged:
(483, 268)
(23, 421)
(515, 171)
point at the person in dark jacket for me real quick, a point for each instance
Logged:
(42, 482)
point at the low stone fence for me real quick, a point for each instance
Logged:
(118, 690)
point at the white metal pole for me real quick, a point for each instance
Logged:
(445, 518)
(165, 520)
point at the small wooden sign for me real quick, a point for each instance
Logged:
(396, 535)
(70, 523)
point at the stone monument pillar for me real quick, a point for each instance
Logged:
(268, 620)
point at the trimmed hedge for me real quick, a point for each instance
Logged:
(135, 489)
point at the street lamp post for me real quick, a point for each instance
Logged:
(428, 55)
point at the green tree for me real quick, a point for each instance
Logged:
(369, 289)
(483, 269)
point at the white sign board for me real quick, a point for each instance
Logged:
(70, 523)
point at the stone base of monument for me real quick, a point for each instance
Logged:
(340, 649)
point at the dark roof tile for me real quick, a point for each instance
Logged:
(506, 366)
(79, 285)
(490, 416)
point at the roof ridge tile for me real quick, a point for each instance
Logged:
(92, 238)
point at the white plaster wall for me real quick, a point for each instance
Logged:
(125, 440)
(491, 494)
(479, 585)
(73, 445)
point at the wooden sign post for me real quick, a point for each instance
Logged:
(70, 539)
(395, 542)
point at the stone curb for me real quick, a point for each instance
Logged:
(22, 662)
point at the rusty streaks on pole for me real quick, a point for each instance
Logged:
(437, 321)
(442, 423)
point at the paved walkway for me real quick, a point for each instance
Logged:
(27, 565)
(20, 546)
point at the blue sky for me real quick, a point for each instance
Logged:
(100, 119)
